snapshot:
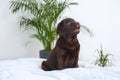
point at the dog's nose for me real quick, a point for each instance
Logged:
(78, 25)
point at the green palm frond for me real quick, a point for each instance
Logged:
(86, 30)
(30, 6)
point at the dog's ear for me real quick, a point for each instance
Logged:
(60, 28)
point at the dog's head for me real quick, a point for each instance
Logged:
(68, 27)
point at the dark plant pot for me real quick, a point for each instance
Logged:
(44, 54)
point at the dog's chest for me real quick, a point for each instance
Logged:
(69, 59)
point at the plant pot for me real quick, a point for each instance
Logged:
(44, 54)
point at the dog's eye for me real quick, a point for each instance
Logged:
(73, 33)
(73, 25)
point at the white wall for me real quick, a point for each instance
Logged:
(101, 16)
(13, 40)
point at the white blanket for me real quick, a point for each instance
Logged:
(29, 69)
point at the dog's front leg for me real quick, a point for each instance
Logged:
(61, 63)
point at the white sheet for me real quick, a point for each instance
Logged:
(29, 69)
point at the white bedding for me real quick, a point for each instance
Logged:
(29, 69)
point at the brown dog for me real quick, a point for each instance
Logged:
(65, 53)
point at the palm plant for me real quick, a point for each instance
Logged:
(43, 17)
(103, 58)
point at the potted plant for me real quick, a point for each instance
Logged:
(44, 15)
(103, 58)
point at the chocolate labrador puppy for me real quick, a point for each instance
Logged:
(65, 53)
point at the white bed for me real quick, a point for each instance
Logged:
(29, 69)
